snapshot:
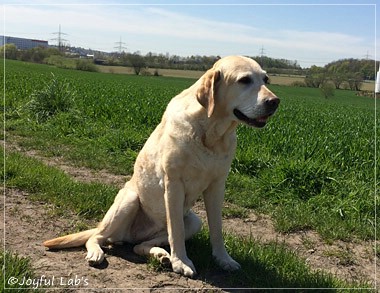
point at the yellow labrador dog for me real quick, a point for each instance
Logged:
(189, 154)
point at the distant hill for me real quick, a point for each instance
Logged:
(279, 66)
(363, 68)
(366, 68)
(269, 62)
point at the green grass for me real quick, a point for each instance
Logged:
(15, 271)
(312, 167)
(90, 200)
(270, 265)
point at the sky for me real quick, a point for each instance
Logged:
(310, 32)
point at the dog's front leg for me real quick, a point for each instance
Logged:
(213, 198)
(174, 202)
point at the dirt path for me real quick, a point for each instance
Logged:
(27, 223)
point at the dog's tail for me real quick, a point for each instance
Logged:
(72, 240)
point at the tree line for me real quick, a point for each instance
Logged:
(37, 54)
(195, 62)
(342, 74)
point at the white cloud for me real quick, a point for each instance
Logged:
(157, 29)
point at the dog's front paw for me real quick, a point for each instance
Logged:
(184, 267)
(95, 256)
(228, 264)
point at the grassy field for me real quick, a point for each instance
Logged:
(259, 261)
(274, 79)
(312, 167)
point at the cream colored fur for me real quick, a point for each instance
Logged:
(189, 154)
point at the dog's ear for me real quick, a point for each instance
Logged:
(207, 91)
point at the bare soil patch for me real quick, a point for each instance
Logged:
(28, 223)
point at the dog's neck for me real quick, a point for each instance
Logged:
(220, 135)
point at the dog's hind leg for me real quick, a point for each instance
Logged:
(151, 247)
(114, 225)
(193, 224)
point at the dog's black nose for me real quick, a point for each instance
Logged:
(272, 103)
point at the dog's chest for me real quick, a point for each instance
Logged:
(203, 170)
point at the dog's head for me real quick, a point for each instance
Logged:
(236, 87)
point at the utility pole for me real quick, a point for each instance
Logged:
(262, 54)
(59, 39)
(367, 56)
(120, 46)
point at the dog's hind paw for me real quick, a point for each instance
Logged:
(95, 257)
(164, 259)
(161, 254)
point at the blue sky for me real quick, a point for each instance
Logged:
(311, 32)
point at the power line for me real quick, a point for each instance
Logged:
(120, 46)
(59, 38)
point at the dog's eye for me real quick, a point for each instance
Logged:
(266, 79)
(245, 80)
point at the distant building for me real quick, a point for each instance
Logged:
(21, 43)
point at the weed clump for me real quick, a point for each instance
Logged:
(56, 96)
(86, 65)
(327, 90)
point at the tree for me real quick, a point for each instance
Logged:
(9, 51)
(316, 77)
(137, 62)
(355, 81)
(337, 79)
(327, 89)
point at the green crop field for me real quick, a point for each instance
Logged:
(311, 168)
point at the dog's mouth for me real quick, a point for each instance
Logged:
(258, 122)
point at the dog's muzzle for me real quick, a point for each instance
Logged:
(270, 107)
